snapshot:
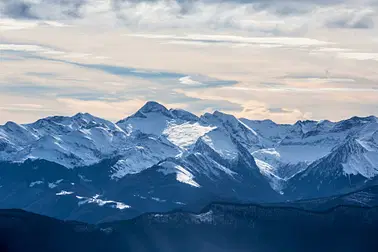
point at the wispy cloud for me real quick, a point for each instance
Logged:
(359, 55)
(362, 18)
(7, 24)
(43, 50)
(24, 107)
(304, 90)
(230, 39)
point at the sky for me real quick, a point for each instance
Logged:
(284, 60)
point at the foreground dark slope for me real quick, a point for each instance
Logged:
(367, 197)
(219, 227)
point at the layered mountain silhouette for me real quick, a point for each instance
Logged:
(218, 227)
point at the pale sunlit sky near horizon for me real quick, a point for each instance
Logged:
(285, 60)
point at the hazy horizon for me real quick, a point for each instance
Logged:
(197, 114)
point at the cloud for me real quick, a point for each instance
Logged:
(42, 74)
(41, 9)
(28, 89)
(28, 48)
(10, 24)
(49, 54)
(249, 108)
(203, 81)
(231, 39)
(283, 115)
(24, 107)
(355, 19)
(265, 17)
(263, 104)
(345, 53)
(326, 78)
(187, 80)
(358, 55)
(288, 89)
(278, 110)
(41, 50)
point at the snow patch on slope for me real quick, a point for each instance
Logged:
(39, 182)
(203, 217)
(186, 134)
(158, 199)
(139, 158)
(154, 123)
(55, 184)
(268, 171)
(96, 200)
(221, 143)
(365, 165)
(61, 193)
(182, 174)
(131, 165)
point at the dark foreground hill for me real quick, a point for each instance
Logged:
(219, 227)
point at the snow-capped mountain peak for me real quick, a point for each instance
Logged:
(153, 106)
(237, 129)
(353, 123)
(214, 143)
(153, 109)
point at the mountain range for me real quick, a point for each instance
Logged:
(90, 169)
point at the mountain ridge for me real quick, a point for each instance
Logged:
(158, 158)
(159, 104)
